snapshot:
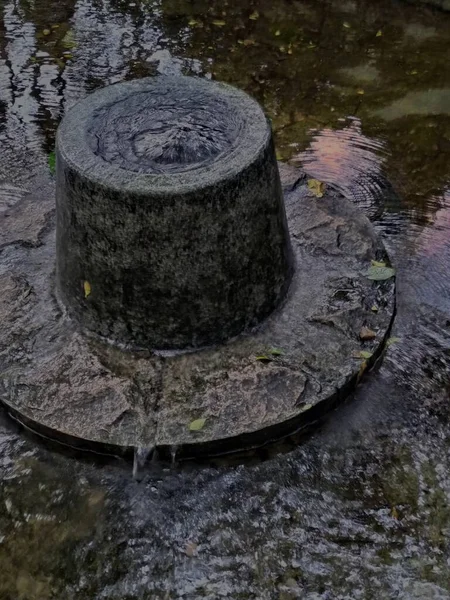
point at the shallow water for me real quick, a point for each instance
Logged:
(358, 91)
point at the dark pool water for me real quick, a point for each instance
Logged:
(358, 92)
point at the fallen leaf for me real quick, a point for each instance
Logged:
(192, 22)
(219, 22)
(377, 263)
(374, 308)
(317, 187)
(362, 369)
(392, 340)
(360, 92)
(365, 354)
(68, 40)
(254, 15)
(51, 161)
(55, 26)
(380, 273)
(379, 33)
(46, 32)
(277, 32)
(305, 407)
(87, 289)
(264, 358)
(191, 549)
(346, 25)
(276, 352)
(197, 425)
(248, 42)
(394, 513)
(367, 334)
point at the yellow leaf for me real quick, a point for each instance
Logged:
(379, 33)
(197, 425)
(360, 92)
(277, 32)
(317, 187)
(394, 513)
(377, 263)
(46, 32)
(219, 22)
(254, 15)
(87, 289)
(374, 308)
(346, 25)
(192, 22)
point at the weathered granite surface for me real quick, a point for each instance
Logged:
(85, 392)
(169, 206)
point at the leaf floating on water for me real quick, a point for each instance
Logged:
(219, 22)
(254, 16)
(317, 187)
(264, 358)
(392, 340)
(87, 289)
(51, 161)
(197, 425)
(380, 273)
(68, 40)
(367, 334)
(377, 263)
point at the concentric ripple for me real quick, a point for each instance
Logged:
(148, 133)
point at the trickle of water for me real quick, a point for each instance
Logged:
(141, 454)
(173, 454)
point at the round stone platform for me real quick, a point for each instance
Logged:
(261, 385)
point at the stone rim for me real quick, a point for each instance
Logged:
(78, 153)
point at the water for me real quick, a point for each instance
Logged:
(358, 91)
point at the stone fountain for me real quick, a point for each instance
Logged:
(198, 301)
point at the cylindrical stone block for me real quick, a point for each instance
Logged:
(171, 228)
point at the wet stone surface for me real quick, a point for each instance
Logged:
(278, 377)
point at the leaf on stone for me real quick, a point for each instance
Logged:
(392, 340)
(316, 187)
(367, 334)
(219, 22)
(254, 16)
(264, 358)
(394, 513)
(197, 425)
(374, 308)
(365, 354)
(378, 263)
(51, 161)
(276, 352)
(305, 407)
(380, 273)
(87, 289)
(191, 549)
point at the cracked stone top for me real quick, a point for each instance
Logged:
(149, 132)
